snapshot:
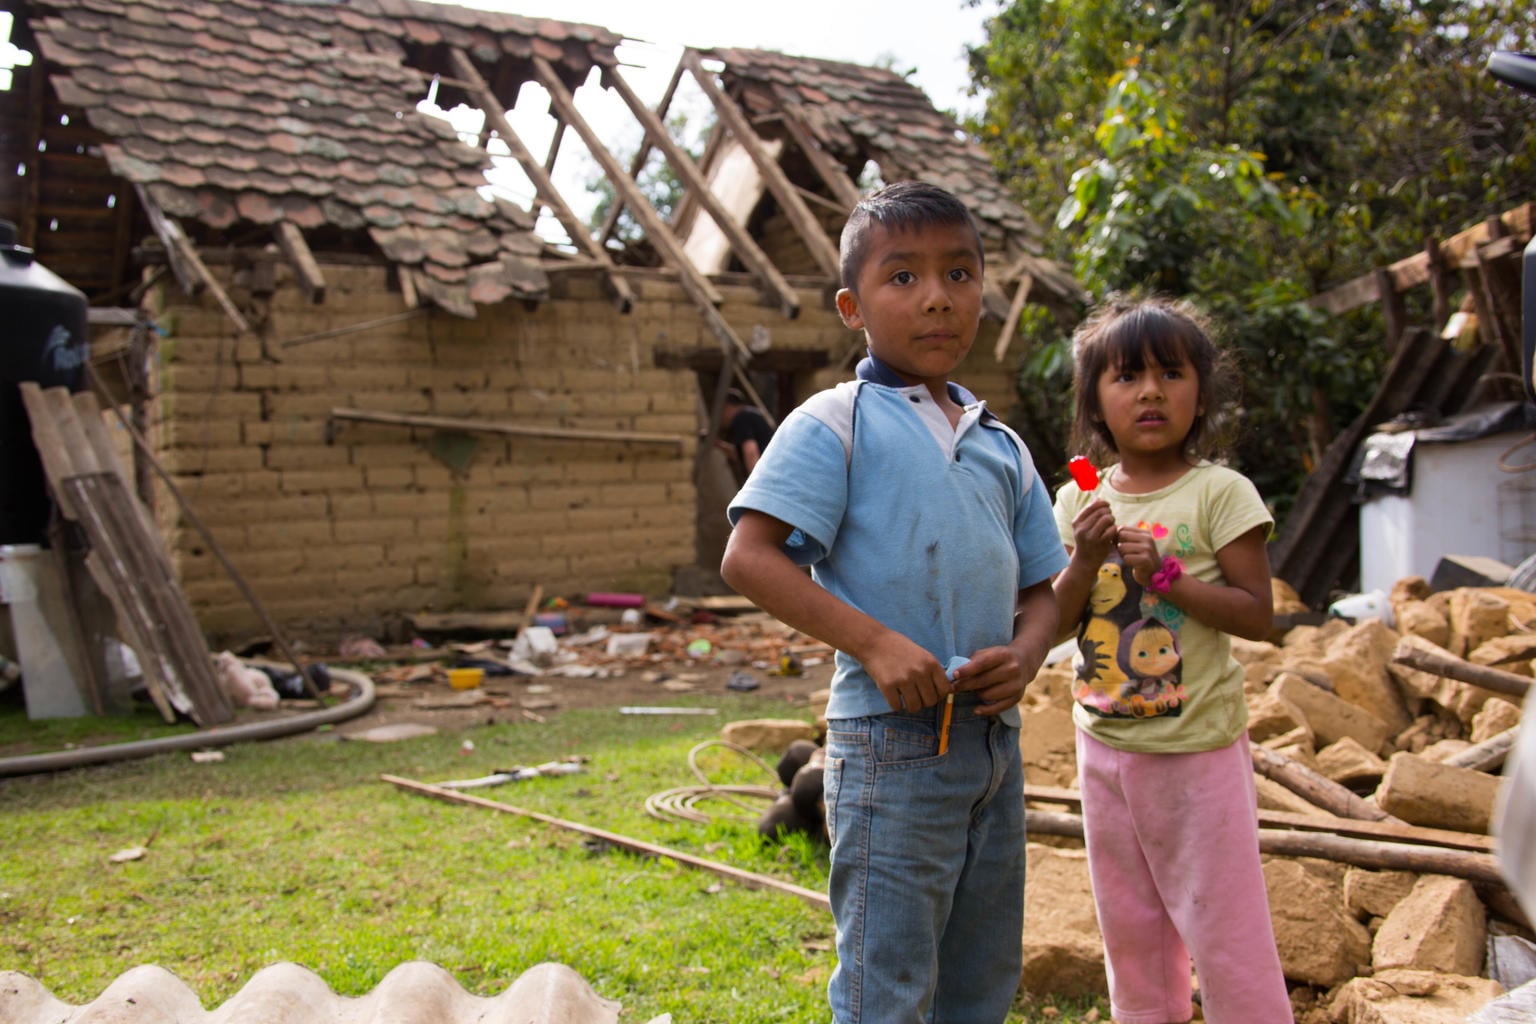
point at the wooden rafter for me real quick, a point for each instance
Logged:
(830, 170)
(623, 294)
(751, 253)
(642, 153)
(291, 240)
(185, 262)
(784, 192)
(1015, 310)
(704, 295)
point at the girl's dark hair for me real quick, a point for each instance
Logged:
(1124, 332)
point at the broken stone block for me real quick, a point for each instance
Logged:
(1496, 716)
(1422, 792)
(1477, 616)
(1401, 996)
(1441, 751)
(1349, 764)
(1063, 948)
(1455, 571)
(1420, 618)
(1461, 699)
(1319, 943)
(767, 735)
(1331, 717)
(1512, 653)
(1440, 925)
(1369, 894)
(1305, 644)
(1409, 588)
(1260, 660)
(1357, 661)
(1269, 718)
(1287, 601)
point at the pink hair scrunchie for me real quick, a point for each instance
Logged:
(1163, 579)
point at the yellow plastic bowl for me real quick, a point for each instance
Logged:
(465, 678)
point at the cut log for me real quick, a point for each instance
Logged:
(1316, 789)
(1416, 652)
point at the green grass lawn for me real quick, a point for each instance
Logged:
(295, 850)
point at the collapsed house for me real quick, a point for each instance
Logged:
(363, 380)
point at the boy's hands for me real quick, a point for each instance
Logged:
(998, 676)
(908, 676)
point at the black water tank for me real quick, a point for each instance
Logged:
(43, 338)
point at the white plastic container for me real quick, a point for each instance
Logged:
(1460, 503)
(46, 643)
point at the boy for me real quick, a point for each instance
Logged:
(932, 545)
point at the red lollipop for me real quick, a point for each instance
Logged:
(1083, 472)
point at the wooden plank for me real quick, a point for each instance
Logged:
(704, 295)
(1011, 321)
(291, 240)
(1320, 822)
(185, 261)
(642, 152)
(507, 429)
(804, 221)
(756, 260)
(829, 170)
(623, 295)
(750, 879)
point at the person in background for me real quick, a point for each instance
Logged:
(746, 430)
(1167, 559)
(931, 547)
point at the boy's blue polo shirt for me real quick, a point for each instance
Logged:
(931, 531)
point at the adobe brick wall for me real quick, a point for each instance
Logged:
(346, 528)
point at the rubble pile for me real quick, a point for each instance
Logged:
(1347, 728)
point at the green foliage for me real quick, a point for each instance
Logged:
(1249, 156)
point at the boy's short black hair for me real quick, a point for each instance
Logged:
(899, 206)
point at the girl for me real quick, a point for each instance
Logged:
(1167, 558)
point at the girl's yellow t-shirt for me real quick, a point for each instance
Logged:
(1147, 676)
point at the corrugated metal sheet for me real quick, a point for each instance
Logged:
(286, 993)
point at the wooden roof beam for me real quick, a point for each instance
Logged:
(831, 171)
(643, 153)
(784, 192)
(698, 287)
(186, 264)
(751, 253)
(623, 294)
(291, 240)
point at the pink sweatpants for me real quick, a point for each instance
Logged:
(1173, 854)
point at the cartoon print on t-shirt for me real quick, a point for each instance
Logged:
(1129, 664)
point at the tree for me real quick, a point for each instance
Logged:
(1248, 155)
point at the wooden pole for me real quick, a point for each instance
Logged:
(750, 879)
(1316, 789)
(1416, 652)
(1365, 853)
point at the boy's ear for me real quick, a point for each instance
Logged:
(848, 309)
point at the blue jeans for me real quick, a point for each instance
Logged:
(927, 871)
